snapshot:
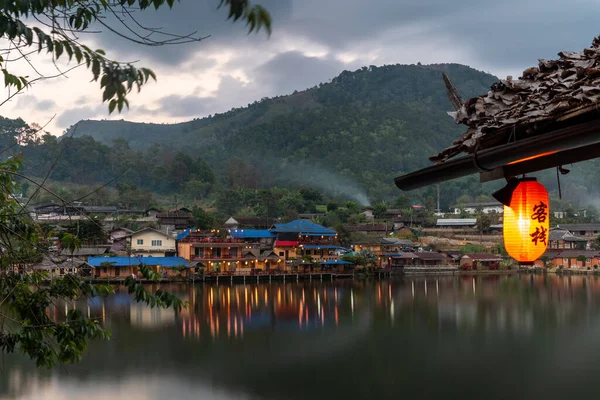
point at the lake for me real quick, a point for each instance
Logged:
(492, 337)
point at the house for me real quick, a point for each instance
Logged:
(456, 223)
(153, 212)
(55, 267)
(422, 258)
(485, 260)
(248, 223)
(122, 267)
(150, 242)
(392, 214)
(240, 253)
(85, 251)
(570, 258)
(563, 239)
(177, 218)
(383, 246)
(589, 230)
(293, 237)
(100, 210)
(263, 238)
(118, 238)
(488, 207)
(368, 213)
(453, 256)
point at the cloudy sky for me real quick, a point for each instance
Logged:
(312, 41)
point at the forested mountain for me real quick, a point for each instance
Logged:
(358, 131)
(347, 138)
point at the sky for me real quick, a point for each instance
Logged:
(312, 41)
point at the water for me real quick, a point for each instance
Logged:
(493, 337)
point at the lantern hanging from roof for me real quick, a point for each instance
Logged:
(526, 221)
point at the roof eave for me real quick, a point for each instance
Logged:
(563, 146)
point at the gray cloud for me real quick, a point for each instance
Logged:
(30, 102)
(291, 71)
(73, 115)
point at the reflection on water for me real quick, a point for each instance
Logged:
(521, 336)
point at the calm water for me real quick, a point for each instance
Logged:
(494, 337)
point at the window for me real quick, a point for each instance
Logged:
(140, 242)
(156, 243)
(281, 254)
(565, 260)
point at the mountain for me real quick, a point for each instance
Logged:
(355, 133)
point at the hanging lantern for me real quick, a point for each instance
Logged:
(526, 221)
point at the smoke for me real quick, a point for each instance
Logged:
(303, 174)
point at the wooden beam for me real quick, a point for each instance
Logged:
(538, 164)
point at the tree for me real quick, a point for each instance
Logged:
(379, 210)
(25, 324)
(582, 259)
(203, 219)
(62, 23)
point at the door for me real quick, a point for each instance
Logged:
(117, 271)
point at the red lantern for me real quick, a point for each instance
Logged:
(526, 222)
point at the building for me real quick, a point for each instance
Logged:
(228, 254)
(383, 246)
(119, 239)
(248, 223)
(456, 223)
(372, 228)
(262, 238)
(589, 230)
(570, 258)
(150, 242)
(303, 240)
(175, 219)
(488, 207)
(563, 239)
(484, 260)
(122, 267)
(422, 258)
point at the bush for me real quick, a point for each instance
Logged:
(595, 266)
(561, 266)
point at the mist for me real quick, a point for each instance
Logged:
(303, 174)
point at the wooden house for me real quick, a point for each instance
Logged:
(151, 242)
(121, 267)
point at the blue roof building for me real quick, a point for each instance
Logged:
(252, 234)
(165, 262)
(303, 228)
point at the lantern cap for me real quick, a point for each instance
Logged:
(504, 195)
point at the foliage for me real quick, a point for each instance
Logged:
(202, 219)
(473, 248)
(67, 20)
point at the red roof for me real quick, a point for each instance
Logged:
(286, 243)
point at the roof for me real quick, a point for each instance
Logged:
(429, 255)
(154, 230)
(303, 227)
(87, 251)
(100, 209)
(335, 262)
(248, 221)
(251, 233)
(482, 204)
(401, 255)
(456, 222)
(166, 262)
(557, 234)
(572, 253)
(579, 227)
(384, 241)
(555, 89)
(321, 246)
(369, 228)
(184, 234)
(483, 257)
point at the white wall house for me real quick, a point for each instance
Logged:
(150, 242)
(475, 208)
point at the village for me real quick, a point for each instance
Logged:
(251, 247)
